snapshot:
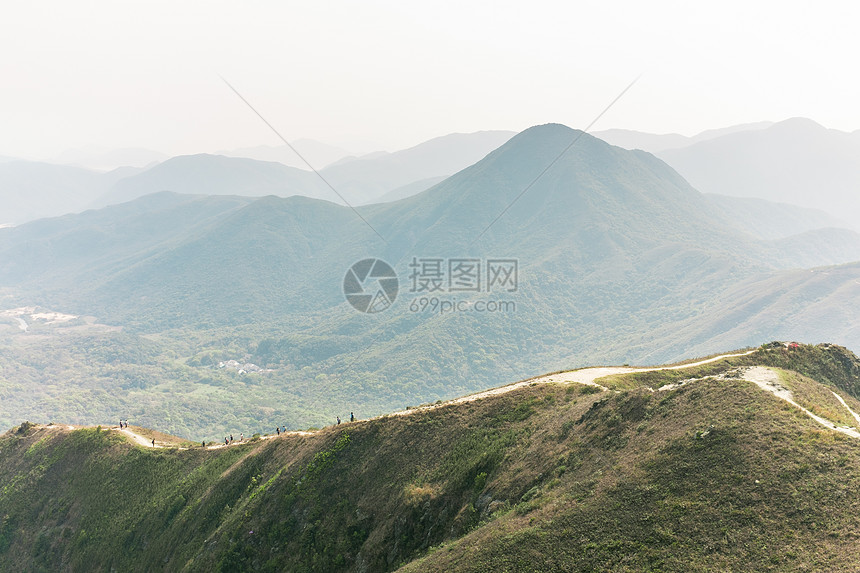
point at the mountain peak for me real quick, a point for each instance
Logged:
(798, 123)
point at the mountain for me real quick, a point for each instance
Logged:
(698, 468)
(769, 220)
(805, 304)
(366, 179)
(617, 259)
(31, 190)
(603, 205)
(359, 180)
(316, 153)
(655, 143)
(216, 175)
(101, 242)
(795, 161)
(409, 190)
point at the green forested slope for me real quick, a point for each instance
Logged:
(620, 260)
(714, 475)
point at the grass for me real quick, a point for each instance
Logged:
(715, 475)
(767, 494)
(816, 398)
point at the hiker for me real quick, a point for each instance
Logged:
(241, 437)
(285, 429)
(203, 444)
(226, 443)
(153, 442)
(278, 430)
(231, 438)
(338, 420)
(351, 417)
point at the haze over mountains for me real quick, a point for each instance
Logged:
(655, 143)
(108, 160)
(33, 190)
(318, 154)
(620, 260)
(794, 161)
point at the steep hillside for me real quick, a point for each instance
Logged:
(697, 468)
(809, 304)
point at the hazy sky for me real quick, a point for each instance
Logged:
(112, 74)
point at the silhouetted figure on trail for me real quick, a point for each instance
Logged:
(231, 438)
(153, 442)
(338, 420)
(203, 444)
(241, 437)
(278, 430)
(226, 443)
(351, 417)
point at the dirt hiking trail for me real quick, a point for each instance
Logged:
(764, 378)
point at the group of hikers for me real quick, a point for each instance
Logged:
(278, 431)
(229, 439)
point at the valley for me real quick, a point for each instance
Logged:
(612, 244)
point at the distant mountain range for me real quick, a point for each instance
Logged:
(31, 190)
(655, 143)
(316, 153)
(794, 161)
(365, 180)
(619, 259)
(358, 180)
(216, 175)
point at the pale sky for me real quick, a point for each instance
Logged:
(113, 74)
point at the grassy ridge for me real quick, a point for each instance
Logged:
(715, 475)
